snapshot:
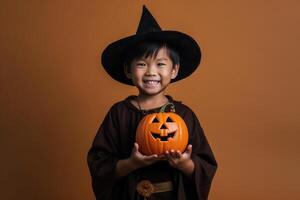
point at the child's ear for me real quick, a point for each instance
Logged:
(127, 72)
(174, 72)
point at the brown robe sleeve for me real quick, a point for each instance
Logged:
(103, 157)
(205, 164)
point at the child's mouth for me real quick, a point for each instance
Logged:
(151, 82)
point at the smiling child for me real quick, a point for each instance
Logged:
(149, 60)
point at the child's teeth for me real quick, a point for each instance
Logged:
(151, 82)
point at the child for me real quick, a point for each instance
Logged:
(149, 60)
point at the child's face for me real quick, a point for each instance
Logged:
(152, 75)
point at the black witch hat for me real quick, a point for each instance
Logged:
(113, 55)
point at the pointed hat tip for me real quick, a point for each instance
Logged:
(145, 9)
(147, 22)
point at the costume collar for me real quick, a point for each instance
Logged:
(153, 110)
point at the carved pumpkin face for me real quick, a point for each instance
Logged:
(159, 132)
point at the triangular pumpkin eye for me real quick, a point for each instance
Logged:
(169, 120)
(155, 120)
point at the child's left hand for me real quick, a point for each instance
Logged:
(181, 161)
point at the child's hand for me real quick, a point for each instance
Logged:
(181, 161)
(139, 160)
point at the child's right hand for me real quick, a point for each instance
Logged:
(139, 160)
(135, 161)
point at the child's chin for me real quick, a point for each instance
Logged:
(151, 92)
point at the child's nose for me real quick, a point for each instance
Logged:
(151, 70)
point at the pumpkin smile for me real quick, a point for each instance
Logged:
(163, 138)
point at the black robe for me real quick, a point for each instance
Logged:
(114, 141)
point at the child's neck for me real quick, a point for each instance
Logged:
(146, 102)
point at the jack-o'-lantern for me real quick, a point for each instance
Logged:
(160, 132)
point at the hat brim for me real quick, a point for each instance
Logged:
(113, 55)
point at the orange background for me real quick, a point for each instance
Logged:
(54, 94)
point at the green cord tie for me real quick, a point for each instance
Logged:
(165, 106)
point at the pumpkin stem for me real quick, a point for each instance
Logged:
(165, 106)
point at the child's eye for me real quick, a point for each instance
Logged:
(161, 64)
(141, 64)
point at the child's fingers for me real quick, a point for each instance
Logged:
(189, 149)
(175, 154)
(168, 155)
(178, 154)
(171, 160)
(135, 147)
(162, 156)
(152, 157)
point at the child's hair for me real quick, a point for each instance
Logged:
(149, 48)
